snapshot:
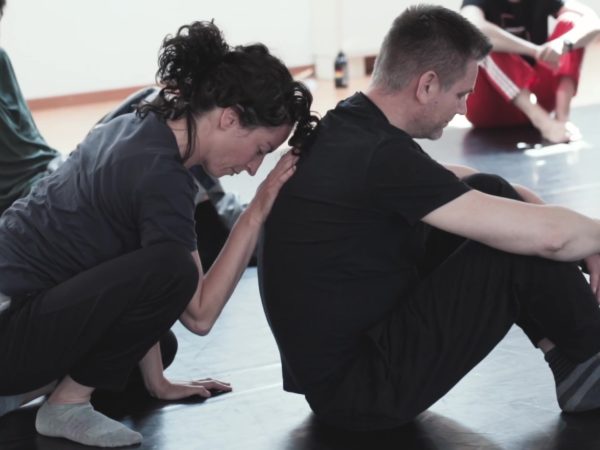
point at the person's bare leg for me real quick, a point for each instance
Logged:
(551, 129)
(69, 414)
(545, 345)
(564, 94)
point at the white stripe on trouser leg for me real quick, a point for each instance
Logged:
(584, 389)
(574, 377)
(500, 79)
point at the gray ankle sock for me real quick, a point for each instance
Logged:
(577, 385)
(81, 423)
(10, 403)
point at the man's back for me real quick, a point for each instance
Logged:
(343, 240)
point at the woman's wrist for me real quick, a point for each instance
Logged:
(156, 386)
(254, 215)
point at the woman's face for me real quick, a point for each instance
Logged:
(243, 149)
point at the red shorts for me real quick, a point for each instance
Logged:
(503, 75)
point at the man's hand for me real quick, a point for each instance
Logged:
(550, 52)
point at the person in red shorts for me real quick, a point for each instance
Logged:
(530, 76)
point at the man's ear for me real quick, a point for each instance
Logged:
(229, 118)
(428, 86)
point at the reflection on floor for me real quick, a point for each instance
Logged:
(565, 174)
(507, 402)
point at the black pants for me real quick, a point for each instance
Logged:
(469, 297)
(97, 325)
(135, 388)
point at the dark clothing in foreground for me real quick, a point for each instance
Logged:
(124, 188)
(24, 154)
(375, 314)
(96, 260)
(97, 325)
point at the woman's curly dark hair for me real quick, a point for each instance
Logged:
(199, 71)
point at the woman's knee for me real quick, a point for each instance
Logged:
(168, 348)
(176, 263)
(172, 255)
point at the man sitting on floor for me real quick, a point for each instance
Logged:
(386, 277)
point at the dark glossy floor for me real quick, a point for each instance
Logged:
(507, 402)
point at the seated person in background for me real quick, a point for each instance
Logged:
(373, 322)
(530, 77)
(100, 259)
(24, 155)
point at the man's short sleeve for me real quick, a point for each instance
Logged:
(404, 180)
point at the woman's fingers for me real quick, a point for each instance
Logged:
(217, 385)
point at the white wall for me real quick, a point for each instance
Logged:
(355, 26)
(364, 23)
(61, 47)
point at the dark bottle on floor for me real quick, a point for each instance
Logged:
(341, 70)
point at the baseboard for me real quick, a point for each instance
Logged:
(83, 98)
(61, 101)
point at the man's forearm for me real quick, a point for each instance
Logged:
(502, 41)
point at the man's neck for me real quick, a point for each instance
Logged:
(397, 107)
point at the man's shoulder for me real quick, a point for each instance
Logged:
(357, 122)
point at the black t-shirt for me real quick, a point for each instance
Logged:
(344, 238)
(527, 19)
(125, 187)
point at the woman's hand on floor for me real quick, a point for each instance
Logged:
(177, 390)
